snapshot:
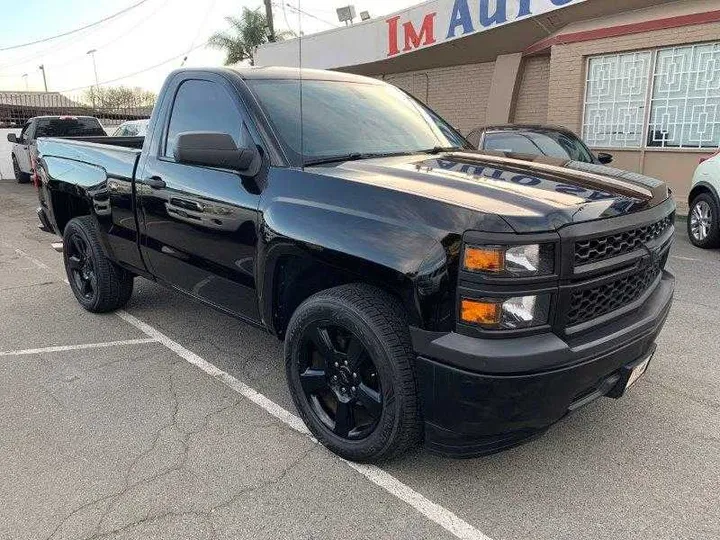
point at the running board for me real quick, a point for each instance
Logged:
(57, 246)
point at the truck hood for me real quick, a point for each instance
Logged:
(530, 195)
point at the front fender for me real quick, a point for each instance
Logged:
(341, 230)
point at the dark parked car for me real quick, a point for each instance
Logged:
(23, 150)
(536, 140)
(424, 291)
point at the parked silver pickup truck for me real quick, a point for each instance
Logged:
(23, 150)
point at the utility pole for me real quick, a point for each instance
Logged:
(41, 67)
(269, 17)
(92, 52)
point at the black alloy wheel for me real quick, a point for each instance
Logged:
(81, 266)
(339, 380)
(350, 369)
(99, 285)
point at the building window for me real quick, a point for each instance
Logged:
(679, 85)
(616, 93)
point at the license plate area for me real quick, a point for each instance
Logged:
(630, 374)
(637, 372)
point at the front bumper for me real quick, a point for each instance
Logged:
(480, 396)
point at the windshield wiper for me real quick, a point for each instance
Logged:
(334, 159)
(441, 149)
(353, 157)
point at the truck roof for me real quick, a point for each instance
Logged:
(59, 116)
(286, 73)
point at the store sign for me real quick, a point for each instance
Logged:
(459, 18)
(417, 27)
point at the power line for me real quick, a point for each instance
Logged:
(288, 22)
(136, 72)
(43, 40)
(73, 59)
(303, 12)
(199, 29)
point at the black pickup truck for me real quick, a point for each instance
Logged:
(424, 290)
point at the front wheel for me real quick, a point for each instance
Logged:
(21, 177)
(98, 283)
(349, 365)
(702, 222)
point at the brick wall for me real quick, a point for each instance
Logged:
(459, 94)
(531, 105)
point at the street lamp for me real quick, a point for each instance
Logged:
(41, 67)
(92, 52)
(25, 78)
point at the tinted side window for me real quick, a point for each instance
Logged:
(68, 127)
(202, 106)
(511, 143)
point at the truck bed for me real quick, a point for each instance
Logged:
(96, 158)
(125, 142)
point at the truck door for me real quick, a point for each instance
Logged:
(22, 152)
(199, 224)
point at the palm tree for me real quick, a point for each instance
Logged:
(247, 33)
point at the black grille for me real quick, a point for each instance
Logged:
(597, 249)
(588, 304)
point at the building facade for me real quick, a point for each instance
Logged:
(639, 79)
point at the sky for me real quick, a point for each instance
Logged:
(157, 34)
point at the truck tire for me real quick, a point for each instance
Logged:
(350, 367)
(703, 225)
(21, 177)
(98, 283)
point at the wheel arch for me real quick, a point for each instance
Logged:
(703, 187)
(291, 275)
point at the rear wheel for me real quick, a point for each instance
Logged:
(349, 365)
(98, 284)
(702, 223)
(21, 177)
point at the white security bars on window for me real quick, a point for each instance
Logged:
(682, 91)
(616, 93)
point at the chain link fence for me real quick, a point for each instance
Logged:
(16, 108)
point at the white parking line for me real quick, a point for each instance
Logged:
(431, 510)
(33, 260)
(62, 348)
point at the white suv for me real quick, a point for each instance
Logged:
(704, 216)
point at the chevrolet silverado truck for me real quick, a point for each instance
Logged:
(424, 291)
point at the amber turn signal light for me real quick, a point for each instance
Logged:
(486, 259)
(476, 312)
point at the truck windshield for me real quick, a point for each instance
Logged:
(68, 127)
(347, 118)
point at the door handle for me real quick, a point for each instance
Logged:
(155, 182)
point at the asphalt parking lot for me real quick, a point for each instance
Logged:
(170, 420)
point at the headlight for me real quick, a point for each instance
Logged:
(529, 260)
(506, 313)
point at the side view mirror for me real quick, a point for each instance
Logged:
(604, 158)
(214, 149)
(12, 138)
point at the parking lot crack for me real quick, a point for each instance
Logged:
(184, 441)
(16, 287)
(206, 515)
(269, 483)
